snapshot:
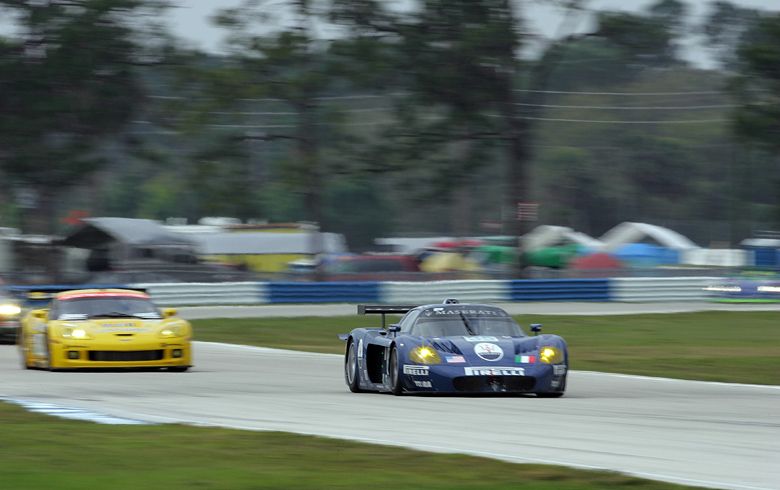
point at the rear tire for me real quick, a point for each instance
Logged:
(351, 368)
(396, 387)
(178, 369)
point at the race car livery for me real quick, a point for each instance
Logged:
(104, 328)
(453, 348)
(745, 290)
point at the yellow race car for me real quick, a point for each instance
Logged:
(104, 328)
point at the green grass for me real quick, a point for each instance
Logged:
(737, 347)
(41, 452)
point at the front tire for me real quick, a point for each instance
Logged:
(351, 368)
(49, 364)
(23, 352)
(396, 387)
(554, 394)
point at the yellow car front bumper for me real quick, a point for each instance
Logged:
(65, 354)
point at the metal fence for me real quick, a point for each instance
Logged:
(323, 292)
(559, 290)
(641, 289)
(635, 289)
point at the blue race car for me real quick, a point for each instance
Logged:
(745, 290)
(453, 348)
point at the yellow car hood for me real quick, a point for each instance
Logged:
(108, 328)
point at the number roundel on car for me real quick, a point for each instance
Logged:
(488, 351)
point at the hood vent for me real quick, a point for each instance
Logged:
(527, 345)
(445, 346)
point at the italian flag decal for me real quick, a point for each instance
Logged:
(525, 359)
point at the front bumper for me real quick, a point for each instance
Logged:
(518, 378)
(67, 354)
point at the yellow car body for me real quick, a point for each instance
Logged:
(104, 328)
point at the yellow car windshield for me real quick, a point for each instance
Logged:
(108, 307)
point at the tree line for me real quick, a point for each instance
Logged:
(372, 120)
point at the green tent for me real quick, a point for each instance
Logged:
(494, 254)
(554, 257)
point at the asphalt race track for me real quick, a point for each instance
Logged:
(706, 434)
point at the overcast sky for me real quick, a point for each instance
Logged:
(190, 20)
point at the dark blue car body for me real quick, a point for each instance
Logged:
(745, 290)
(453, 348)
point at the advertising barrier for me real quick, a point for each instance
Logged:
(638, 289)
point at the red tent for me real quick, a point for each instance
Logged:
(458, 244)
(599, 261)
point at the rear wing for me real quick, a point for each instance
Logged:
(40, 296)
(384, 310)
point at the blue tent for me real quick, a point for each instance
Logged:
(646, 255)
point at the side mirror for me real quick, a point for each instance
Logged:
(39, 314)
(536, 328)
(394, 328)
(169, 312)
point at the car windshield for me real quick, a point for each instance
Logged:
(109, 307)
(467, 325)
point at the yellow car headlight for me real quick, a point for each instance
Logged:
(75, 333)
(424, 355)
(9, 309)
(172, 331)
(551, 355)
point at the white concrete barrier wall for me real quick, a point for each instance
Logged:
(715, 257)
(646, 289)
(221, 293)
(639, 289)
(402, 293)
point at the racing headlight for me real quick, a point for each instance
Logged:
(424, 355)
(550, 355)
(75, 333)
(9, 309)
(172, 331)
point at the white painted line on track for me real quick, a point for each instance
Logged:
(676, 380)
(73, 413)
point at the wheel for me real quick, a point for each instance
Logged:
(395, 380)
(48, 365)
(556, 394)
(351, 373)
(23, 352)
(178, 369)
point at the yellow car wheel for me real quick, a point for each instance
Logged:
(23, 352)
(50, 365)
